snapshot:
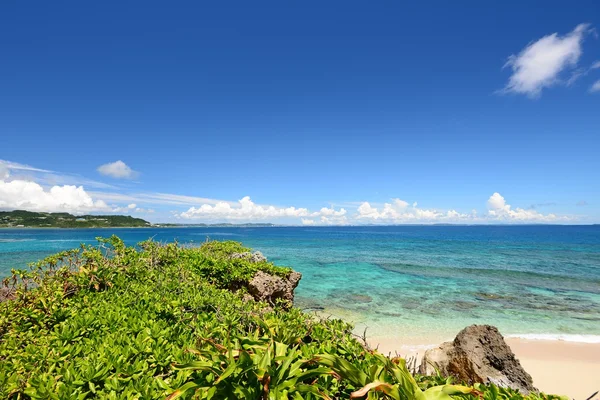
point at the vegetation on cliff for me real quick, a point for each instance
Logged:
(29, 219)
(163, 321)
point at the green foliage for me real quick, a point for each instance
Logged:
(29, 219)
(215, 263)
(160, 321)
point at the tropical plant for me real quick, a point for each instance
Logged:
(159, 321)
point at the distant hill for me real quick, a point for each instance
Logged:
(28, 219)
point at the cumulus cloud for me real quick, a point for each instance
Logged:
(541, 63)
(247, 210)
(499, 210)
(4, 172)
(118, 170)
(244, 210)
(400, 211)
(595, 87)
(19, 194)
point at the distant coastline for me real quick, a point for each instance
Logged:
(29, 219)
(21, 219)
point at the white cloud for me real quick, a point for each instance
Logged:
(595, 65)
(540, 64)
(330, 212)
(306, 221)
(500, 211)
(46, 177)
(132, 205)
(400, 211)
(69, 179)
(19, 194)
(157, 198)
(496, 201)
(4, 172)
(245, 209)
(595, 87)
(19, 167)
(177, 199)
(118, 170)
(333, 220)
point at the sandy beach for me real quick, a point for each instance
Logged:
(557, 367)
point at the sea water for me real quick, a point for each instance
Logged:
(404, 281)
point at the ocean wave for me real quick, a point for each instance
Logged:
(558, 336)
(68, 240)
(216, 233)
(15, 240)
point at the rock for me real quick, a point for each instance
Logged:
(478, 354)
(270, 288)
(255, 257)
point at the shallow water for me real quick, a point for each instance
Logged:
(407, 281)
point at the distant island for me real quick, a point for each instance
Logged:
(28, 219)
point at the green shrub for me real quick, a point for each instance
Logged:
(157, 321)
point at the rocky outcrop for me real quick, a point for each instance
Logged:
(478, 354)
(271, 288)
(255, 257)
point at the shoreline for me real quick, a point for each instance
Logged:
(557, 366)
(78, 228)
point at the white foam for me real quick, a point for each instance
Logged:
(559, 336)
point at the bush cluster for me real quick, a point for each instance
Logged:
(160, 321)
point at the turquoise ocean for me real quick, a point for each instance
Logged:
(411, 282)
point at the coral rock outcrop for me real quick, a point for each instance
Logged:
(478, 354)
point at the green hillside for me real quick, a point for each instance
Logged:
(28, 219)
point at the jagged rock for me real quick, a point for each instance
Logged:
(270, 288)
(255, 257)
(478, 354)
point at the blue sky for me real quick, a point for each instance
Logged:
(313, 112)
